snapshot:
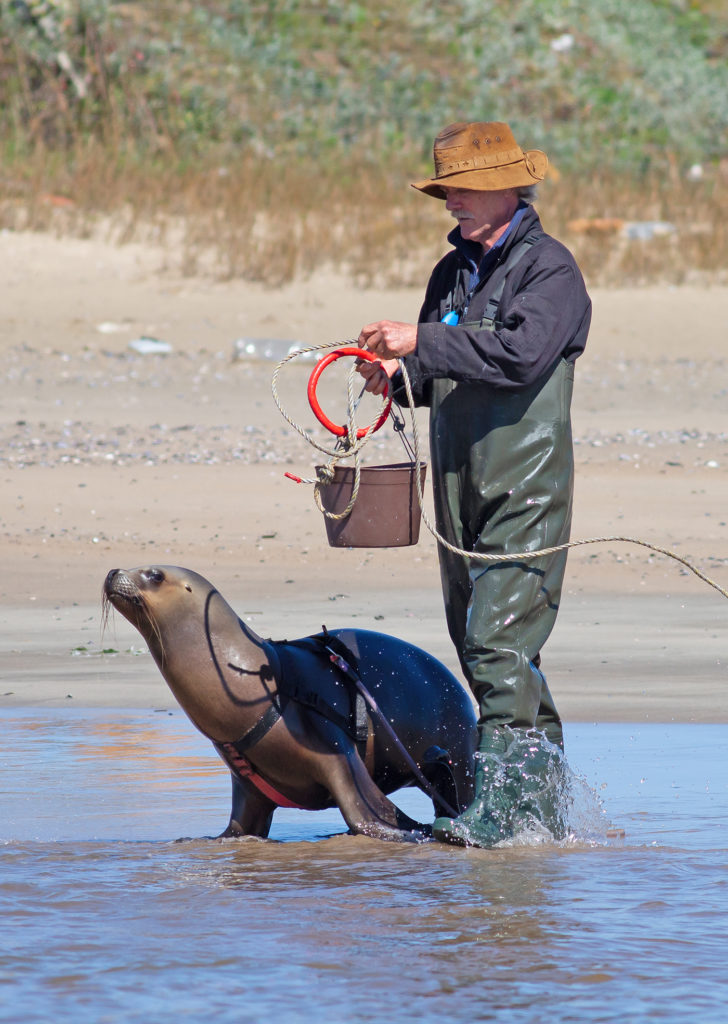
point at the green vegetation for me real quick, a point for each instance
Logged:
(279, 135)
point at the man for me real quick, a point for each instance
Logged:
(505, 315)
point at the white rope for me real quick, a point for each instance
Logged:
(348, 446)
(519, 556)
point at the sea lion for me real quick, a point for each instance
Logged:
(288, 717)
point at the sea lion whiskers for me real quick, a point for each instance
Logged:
(157, 632)
(106, 607)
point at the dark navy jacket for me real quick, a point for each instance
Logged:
(544, 315)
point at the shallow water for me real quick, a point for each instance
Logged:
(105, 917)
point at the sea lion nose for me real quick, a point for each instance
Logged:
(110, 579)
(118, 583)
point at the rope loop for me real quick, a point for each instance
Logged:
(347, 446)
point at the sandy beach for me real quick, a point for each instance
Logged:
(114, 458)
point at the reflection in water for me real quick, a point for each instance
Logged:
(106, 917)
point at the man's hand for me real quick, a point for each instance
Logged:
(389, 339)
(377, 374)
(392, 341)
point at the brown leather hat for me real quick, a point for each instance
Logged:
(484, 156)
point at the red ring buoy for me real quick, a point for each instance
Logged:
(335, 428)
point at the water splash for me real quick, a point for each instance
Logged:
(536, 797)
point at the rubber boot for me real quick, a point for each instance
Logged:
(487, 820)
(541, 770)
(517, 788)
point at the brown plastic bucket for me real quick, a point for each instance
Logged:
(386, 513)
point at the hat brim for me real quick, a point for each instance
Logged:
(528, 171)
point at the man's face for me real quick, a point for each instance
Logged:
(482, 216)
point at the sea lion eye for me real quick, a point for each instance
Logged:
(188, 587)
(153, 576)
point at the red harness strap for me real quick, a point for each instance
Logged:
(245, 770)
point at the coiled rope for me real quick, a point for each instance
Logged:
(352, 447)
(348, 446)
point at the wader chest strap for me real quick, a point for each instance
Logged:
(490, 314)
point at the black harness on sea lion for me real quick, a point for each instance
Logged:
(339, 695)
(335, 696)
(322, 673)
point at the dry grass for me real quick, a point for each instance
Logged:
(695, 250)
(266, 141)
(271, 222)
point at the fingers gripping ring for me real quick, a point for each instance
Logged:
(335, 428)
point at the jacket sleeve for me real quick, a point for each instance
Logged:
(545, 314)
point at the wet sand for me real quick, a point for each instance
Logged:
(111, 458)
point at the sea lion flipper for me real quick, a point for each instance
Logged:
(365, 809)
(251, 813)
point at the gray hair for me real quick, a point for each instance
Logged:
(527, 193)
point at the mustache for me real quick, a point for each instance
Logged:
(461, 215)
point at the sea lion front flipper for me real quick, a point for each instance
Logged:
(251, 813)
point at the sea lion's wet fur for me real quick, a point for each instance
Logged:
(221, 672)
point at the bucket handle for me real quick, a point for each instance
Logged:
(335, 428)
